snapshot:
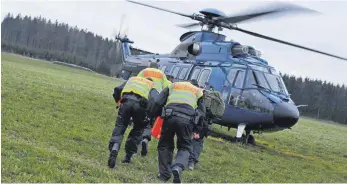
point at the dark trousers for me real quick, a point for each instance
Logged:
(147, 132)
(197, 147)
(128, 109)
(183, 129)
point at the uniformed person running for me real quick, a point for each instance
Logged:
(182, 101)
(133, 104)
(198, 143)
(160, 82)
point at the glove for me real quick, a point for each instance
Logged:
(196, 136)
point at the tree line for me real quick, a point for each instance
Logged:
(324, 99)
(44, 39)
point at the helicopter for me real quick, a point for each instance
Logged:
(255, 96)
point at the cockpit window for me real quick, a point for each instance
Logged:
(273, 71)
(250, 80)
(239, 79)
(261, 79)
(275, 83)
(260, 68)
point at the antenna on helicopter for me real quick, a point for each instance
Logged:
(215, 18)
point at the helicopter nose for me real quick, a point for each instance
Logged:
(285, 114)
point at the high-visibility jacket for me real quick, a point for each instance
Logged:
(138, 85)
(184, 93)
(158, 77)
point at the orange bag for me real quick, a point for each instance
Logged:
(156, 130)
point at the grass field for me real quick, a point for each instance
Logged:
(56, 122)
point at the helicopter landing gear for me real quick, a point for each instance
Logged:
(242, 138)
(239, 133)
(248, 138)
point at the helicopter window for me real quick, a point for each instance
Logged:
(250, 79)
(175, 72)
(183, 73)
(275, 83)
(273, 71)
(239, 79)
(231, 76)
(260, 68)
(204, 77)
(240, 66)
(261, 79)
(195, 73)
(163, 68)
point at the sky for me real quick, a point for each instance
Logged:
(155, 31)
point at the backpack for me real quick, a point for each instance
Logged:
(214, 103)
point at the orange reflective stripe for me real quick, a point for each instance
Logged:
(154, 74)
(148, 82)
(180, 86)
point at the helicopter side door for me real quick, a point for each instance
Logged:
(231, 94)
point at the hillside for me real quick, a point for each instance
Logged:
(56, 122)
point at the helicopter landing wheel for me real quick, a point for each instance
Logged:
(250, 139)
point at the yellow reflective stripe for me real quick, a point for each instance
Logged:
(137, 85)
(182, 100)
(179, 95)
(143, 89)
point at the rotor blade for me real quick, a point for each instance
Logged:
(189, 25)
(284, 42)
(270, 10)
(162, 9)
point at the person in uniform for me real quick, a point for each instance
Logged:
(183, 105)
(198, 143)
(160, 82)
(133, 100)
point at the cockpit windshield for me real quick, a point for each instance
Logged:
(275, 83)
(272, 81)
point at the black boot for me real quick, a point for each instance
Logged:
(163, 178)
(144, 145)
(112, 159)
(127, 158)
(177, 172)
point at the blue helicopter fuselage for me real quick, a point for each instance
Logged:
(253, 91)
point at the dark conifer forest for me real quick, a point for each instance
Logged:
(37, 37)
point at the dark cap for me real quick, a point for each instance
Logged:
(194, 82)
(153, 65)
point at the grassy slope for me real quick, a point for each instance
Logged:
(56, 123)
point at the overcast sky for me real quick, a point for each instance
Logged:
(155, 31)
